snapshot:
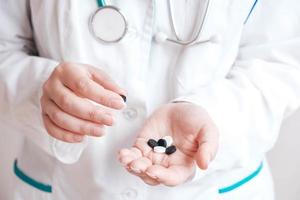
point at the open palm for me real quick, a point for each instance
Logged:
(194, 135)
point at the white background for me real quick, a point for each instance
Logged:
(284, 160)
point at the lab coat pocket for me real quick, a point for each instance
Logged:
(24, 191)
(33, 171)
(258, 185)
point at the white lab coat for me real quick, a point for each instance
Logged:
(248, 82)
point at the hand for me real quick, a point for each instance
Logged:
(194, 135)
(67, 114)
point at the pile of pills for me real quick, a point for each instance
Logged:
(163, 145)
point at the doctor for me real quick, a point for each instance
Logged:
(89, 82)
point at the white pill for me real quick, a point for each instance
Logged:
(159, 149)
(169, 140)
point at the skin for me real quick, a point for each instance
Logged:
(194, 135)
(67, 114)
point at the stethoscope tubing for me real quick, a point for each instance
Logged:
(194, 39)
(178, 40)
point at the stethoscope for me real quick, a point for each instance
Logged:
(102, 28)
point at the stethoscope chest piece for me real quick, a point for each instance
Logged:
(108, 24)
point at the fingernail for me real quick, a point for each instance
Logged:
(207, 160)
(108, 119)
(98, 131)
(77, 138)
(123, 97)
(151, 175)
(135, 170)
(117, 103)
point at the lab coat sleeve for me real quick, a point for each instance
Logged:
(260, 90)
(22, 75)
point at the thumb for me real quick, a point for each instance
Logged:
(208, 140)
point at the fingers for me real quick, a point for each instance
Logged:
(204, 155)
(76, 106)
(208, 141)
(86, 87)
(103, 79)
(170, 176)
(126, 156)
(140, 165)
(60, 133)
(150, 181)
(68, 122)
(151, 169)
(134, 162)
(141, 144)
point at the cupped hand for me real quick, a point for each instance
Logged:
(67, 114)
(195, 137)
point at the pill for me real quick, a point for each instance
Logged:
(152, 143)
(169, 140)
(170, 150)
(159, 149)
(123, 97)
(162, 142)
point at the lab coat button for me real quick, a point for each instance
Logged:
(130, 113)
(129, 194)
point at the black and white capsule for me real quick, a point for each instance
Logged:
(159, 149)
(169, 140)
(152, 143)
(162, 143)
(170, 150)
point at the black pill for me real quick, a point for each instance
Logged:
(171, 149)
(152, 143)
(162, 142)
(123, 97)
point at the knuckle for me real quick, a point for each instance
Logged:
(56, 135)
(42, 101)
(47, 128)
(104, 100)
(95, 131)
(55, 116)
(92, 130)
(58, 70)
(66, 137)
(53, 134)
(82, 85)
(93, 115)
(61, 66)
(45, 86)
(50, 131)
(65, 101)
(84, 129)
